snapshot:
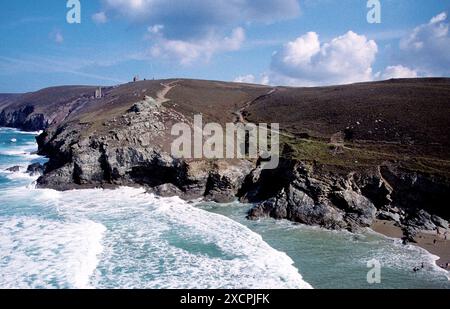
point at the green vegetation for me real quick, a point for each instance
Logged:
(324, 153)
(353, 156)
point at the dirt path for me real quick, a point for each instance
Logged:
(239, 113)
(241, 119)
(161, 95)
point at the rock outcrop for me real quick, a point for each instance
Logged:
(13, 169)
(308, 194)
(35, 169)
(135, 151)
(24, 119)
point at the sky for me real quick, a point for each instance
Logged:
(277, 42)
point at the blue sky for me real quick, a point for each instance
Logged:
(283, 42)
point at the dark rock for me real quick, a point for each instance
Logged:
(410, 234)
(60, 179)
(225, 180)
(358, 208)
(35, 169)
(438, 221)
(166, 190)
(322, 214)
(13, 169)
(421, 220)
(24, 119)
(388, 216)
(413, 191)
(377, 191)
(262, 210)
(296, 205)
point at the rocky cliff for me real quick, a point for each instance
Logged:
(135, 151)
(24, 118)
(38, 110)
(312, 194)
(379, 160)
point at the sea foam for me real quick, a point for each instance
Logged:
(126, 238)
(38, 253)
(166, 243)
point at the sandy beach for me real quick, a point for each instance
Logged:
(428, 240)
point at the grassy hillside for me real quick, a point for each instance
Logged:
(405, 120)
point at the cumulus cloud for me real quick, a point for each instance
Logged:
(398, 71)
(308, 62)
(251, 79)
(100, 18)
(427, 47)
(186, 52)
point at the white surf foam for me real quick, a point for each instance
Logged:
(166, 243)
(20, 175)
(38, 253)
(20, 152)
(15, 131)
(22, 155)
(408, 256)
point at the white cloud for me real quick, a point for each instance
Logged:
(248, 79)
(398, 71)
(438, 18)
(265, 79)
(427, 47)
(251, 79)
(155, 29)
(186, 52)
(308, 62)
(100, 18)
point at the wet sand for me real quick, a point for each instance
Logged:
(428, 240)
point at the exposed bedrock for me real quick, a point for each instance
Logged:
(298, 191)
(23, 119)
(97, 163)
(133, 154)
(305, 193)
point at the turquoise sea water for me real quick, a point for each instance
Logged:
(126, 238)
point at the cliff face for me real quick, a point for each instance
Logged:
(36, 111)
(24, 119)
(134, 149)
(331, 174)
(311, 194)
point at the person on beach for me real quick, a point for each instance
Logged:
(416, 269)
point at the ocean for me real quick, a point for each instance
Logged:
(126, 238)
